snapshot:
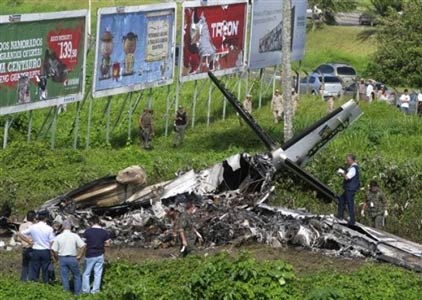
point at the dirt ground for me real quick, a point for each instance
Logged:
(303, 261)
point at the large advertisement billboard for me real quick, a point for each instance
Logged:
(213, 38)
(266, 32)
(135, 48)
(42, 60)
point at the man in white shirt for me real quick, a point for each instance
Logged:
(351, 184)
(41, 238)
(68, 248)
(26, 247)
(277, 106)
(405, 101)
(370, 91)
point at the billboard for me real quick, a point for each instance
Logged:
(213, 38)
(135, 48)
(42, 60)
(266, 32)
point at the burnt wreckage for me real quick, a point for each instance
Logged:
(232, 196)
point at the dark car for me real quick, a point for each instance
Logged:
(368, 19)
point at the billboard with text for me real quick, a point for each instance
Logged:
(42, 60)
(266, 32)
(135, 48)
(213, 38)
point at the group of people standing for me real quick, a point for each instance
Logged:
(276, 104)
(147, 130)
(42, 247)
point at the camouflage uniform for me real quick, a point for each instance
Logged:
(375, 203)
(185, 225)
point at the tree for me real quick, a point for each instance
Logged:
(287, 71)
(383, 7)
(398, 59)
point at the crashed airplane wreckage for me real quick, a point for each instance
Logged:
(232, 196)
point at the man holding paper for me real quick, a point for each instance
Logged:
(351, 184)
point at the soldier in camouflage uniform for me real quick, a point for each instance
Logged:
(186, 230)
(375, 205)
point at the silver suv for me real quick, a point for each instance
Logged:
(324, 85)
(346, 73)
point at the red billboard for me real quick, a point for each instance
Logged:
(213, 38)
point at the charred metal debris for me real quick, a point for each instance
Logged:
(232, 199)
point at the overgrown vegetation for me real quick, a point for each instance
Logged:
(399, 56)
(225, 277)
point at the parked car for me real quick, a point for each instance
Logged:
(368, 18)
(331, 85)
(345, 72)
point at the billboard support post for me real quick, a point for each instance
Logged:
(6, 131)
(129, 119)
(224, 105)
(108, 119)
(119, 115)
(149, 103)
(88, 131)
(261, 79)
(178, 88)
(195, 97)
(167, 111)
(76, 129)
(239, 87)
(209, 103)
(54, 127)
(30, 126)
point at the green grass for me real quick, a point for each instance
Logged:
(337, 44)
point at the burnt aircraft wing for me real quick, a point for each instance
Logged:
(297, 151)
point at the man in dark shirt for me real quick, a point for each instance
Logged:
(351, 184)
(96, 239)
(146, 127)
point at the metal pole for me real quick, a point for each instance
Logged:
(6, 132)
(239, 87)
(195, 97)
(129, 119)
(167, 111)
(54, 127)
(209, 104)
(149, 99)
(88, 131)
(29, 126)
(261, 78)
(76, 129)
(178, 87)
(108, 120)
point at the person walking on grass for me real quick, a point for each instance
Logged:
(96, 239)
(26, 247)
(180, 122)
(351, 184)
(41, 238)
(68, 248)
(146, 128)
(277, 106)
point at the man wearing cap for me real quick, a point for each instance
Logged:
(277, 106)
(68, 248)
(26, 247)
(186, 230)
(375, 205)
(146, 128)
(247, 103)
(41, 238)
(180, 122)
